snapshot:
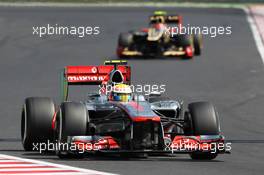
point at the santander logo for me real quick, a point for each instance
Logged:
(84, 78)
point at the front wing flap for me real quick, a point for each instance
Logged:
(180, 144)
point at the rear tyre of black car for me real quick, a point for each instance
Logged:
(72, 120)
(204, 121)
(197, 44)
(36, 122)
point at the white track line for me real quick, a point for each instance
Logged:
(255, 32)
(9, 160)
(125, 4)
(12, 165)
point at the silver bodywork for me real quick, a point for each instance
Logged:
(162, 108)
(171, 106)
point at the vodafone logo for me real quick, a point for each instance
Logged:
(94, 70)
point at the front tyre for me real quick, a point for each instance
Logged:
(204, 121)
(125, 41)
(197, 44)
(72, 120)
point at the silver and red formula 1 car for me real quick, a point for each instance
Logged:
(147, 125)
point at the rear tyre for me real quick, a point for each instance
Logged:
(197, 44)
(36, 122)
(73, 120)
(204, 121)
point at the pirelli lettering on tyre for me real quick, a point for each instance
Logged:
(85, 78)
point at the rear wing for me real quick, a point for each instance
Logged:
(93, 75)
(166, 19)
(174, 19)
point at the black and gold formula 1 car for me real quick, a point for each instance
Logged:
(159, 39)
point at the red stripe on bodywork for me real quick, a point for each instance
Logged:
(144, 119)
(54, 120)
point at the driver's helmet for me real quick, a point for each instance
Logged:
(121, 92)
(157, 19)
(156, 31)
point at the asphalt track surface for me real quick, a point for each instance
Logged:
(229, 73)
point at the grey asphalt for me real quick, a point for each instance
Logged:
(229, 73)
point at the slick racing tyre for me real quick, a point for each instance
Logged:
(36, 121)
(72, 120)
(204, 121)
(125, 39)
(197, 44)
